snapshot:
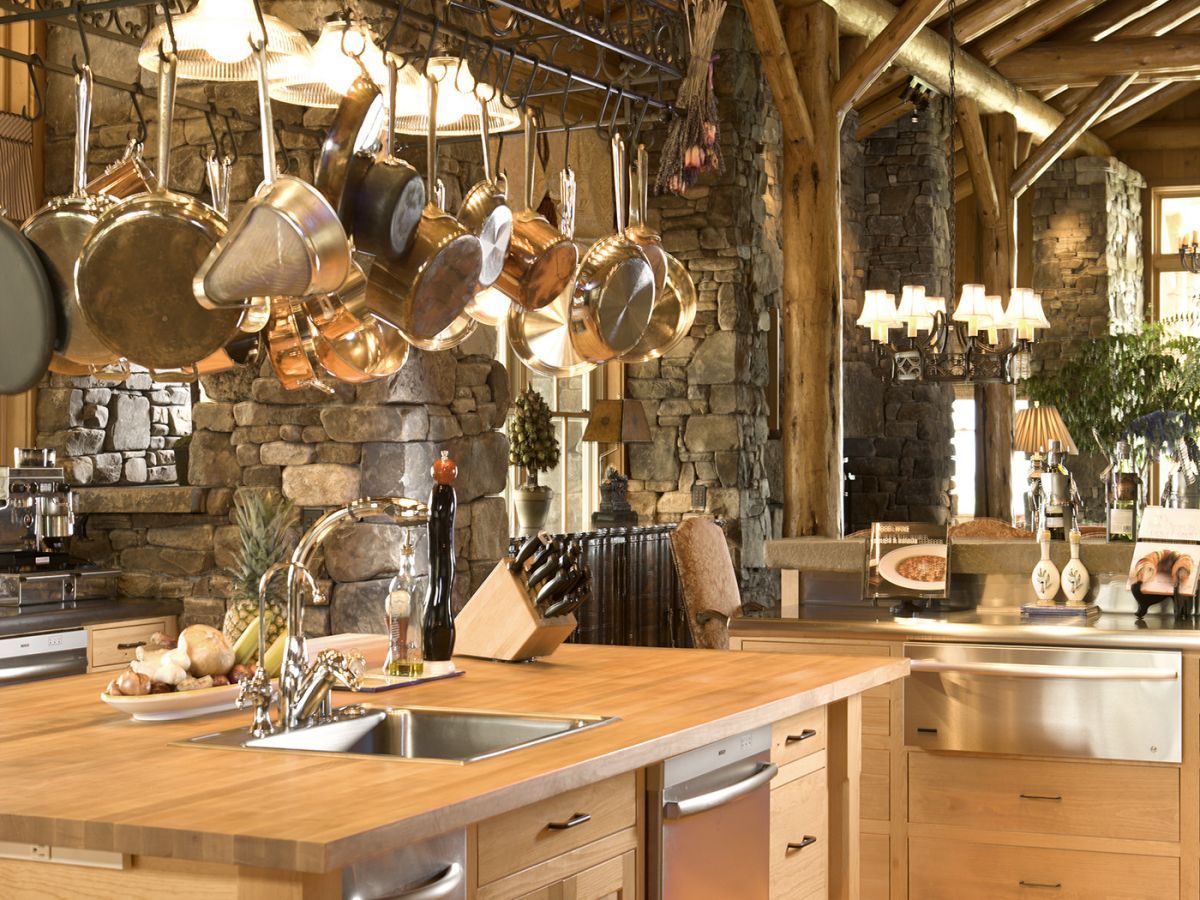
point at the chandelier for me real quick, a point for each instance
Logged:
(1189, 253)
(981, 341)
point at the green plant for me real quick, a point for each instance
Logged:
(267, 530)
(532, 444)
(1118, 379)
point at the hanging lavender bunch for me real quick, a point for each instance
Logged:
(692, 144)
(1171, 435)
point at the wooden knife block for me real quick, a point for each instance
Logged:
(500, 621)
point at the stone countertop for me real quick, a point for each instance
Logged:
(33, 620)
(972, 556)
(127, 786)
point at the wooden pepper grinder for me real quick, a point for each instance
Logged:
(438, 625)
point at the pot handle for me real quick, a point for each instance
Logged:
(640, 201)
(166, 115)
(83, 128)
(618, 162)
(431, 136)
(530, 134)
(566, 191)
(389, 135)
(485, 136)
(264, 110)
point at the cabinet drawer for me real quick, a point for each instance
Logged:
(799, 838)
(1093, 800)
(798, 736)
(953, 870)
(534, 833)
(875, 866)
(113, 646)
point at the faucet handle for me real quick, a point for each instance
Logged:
(258, 692)
(347, 668)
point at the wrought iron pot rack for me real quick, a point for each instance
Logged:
(615, 60)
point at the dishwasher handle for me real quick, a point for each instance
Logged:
(441, 887)
(1071, 673)
(689, 806)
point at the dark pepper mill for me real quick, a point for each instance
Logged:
(438, 626)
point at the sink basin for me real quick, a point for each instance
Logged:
(414, 732)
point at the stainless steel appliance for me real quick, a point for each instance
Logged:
(1045, 701)
(433, 869)
(709, 813)
(34, 656)
(39, 503)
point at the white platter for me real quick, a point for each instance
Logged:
(887, 566)
(176, 705)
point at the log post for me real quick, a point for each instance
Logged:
(997, 270)
(812, 286)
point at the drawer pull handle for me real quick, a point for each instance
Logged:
(802, 736)
(577, 819)
(1040, 884)
(131, 645)
(1040, 797)
(809, 840)
(927, 731)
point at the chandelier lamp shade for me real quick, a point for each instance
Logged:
(212, 42)
(345, 50)
(460, 103)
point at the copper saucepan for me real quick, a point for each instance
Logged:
(485, 212)
(541, 261)
(126, 177)
(349, 341)
(291, 351)
(423, 293)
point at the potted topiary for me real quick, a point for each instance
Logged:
(533, 447)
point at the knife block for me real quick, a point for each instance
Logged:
(500, 621)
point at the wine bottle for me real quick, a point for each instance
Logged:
(438, 624)
(1122, 496)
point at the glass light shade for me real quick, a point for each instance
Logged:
(879, 314)
(212, 42)
(913, 310)
(324, 76)
(458, 108)
(1025, 313)
(973, 309)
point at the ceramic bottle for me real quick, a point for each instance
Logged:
(1075, 577)
(1045, 576)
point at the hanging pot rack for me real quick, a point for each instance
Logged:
(529, 49)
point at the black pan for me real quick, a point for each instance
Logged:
(27, 329)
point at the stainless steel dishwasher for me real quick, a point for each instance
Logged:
(1045, 701)
(709, 813)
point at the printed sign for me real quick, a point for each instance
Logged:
(907, 560)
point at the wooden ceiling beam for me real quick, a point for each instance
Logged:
(1108, 19)
(1079, 121)
(1031, 26)
(1131, 97)
(1161, 20)
(1156, 102)
(1052, 62)
(963, 187)
(781, 74)
(927, 56)
(970, 126)
(861, 74)
(986, 15)
(1178, 134)
(880, 114)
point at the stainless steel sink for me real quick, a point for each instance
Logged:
(414, 732)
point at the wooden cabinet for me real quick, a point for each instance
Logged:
(800, 837)
(795, 737)
(579, 845)
(113, 645)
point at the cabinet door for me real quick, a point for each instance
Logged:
(799, 838)
(613, 879)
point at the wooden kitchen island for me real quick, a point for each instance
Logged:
(188, 822)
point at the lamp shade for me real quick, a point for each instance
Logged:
(1035, 427)
(973, 309)
(879, 314)
(1025, 313)
(458, 108)
(617, 422)
(212, 42)
(913, 309)
(324, 76)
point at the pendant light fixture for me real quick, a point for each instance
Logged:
(212, 41)
(458, 106)
(982, 341)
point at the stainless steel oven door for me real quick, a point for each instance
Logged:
(1045, 701)
(710, 821)
(34, 656)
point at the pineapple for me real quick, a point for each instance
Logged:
(267, 526)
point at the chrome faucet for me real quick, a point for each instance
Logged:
(304, 688)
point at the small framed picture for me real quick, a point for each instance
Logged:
(1159, 566)
(906, 560)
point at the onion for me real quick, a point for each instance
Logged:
(133, 684)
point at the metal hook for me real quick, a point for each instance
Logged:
(483, 71)
(287, 157)
(170, 22)
(262, 23)
(433, 36)
(604, 107)
(401, 9)
(83, 40)
(39, 105)
(637, 128)
(612, 124)
(512, 58)
(529, 84)
(232, 152)
(134, 94)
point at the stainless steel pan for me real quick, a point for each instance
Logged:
(134, 275)
(59, 230)
(426, 291)
(258, 309)
(614, 289)
(287, 241)
(674, 309)
(350, 145)
(485, 212)
(27, 313)
(540, 262)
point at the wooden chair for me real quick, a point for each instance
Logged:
(708, 581)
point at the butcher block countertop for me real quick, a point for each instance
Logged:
(79, 774)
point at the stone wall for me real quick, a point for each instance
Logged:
(897, 438)
(706, 400)
(1088, 267)
(114, 432)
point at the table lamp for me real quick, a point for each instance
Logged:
(1033, 430)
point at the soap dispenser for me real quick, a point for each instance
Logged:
(1045, 576)
(1075, 577)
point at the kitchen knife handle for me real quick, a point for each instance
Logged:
(531, 546)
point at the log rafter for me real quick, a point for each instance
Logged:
(1143, 110)
(1055, 62)
(1032, 25)
(970, 126)
(781, 74)
(862, 73)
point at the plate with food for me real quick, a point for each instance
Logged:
(196, 674)
(917, 567)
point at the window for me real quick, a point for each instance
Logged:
(575, 480)
(962, 415)
(1174, 291)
